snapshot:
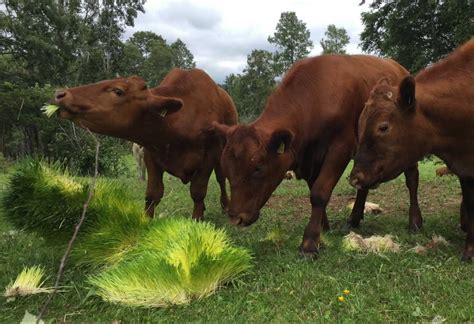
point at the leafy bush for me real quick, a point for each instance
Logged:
(4, 163)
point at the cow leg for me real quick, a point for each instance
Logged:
(154, 186)
(221, 180)
(467, 185)
(142, 172)
(198, 188)
(358, 210)
(324, 221)
(333, 166)
(415, 221)
(138, 169)
(463, 213)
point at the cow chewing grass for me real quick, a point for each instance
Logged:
(49, 110)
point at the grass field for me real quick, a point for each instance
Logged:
(283, 287)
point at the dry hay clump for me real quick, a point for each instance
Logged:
(369, 208)
(435, 242)
(290, 175)
(373, 244)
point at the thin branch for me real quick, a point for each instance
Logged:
(76, 231)
(21, 107)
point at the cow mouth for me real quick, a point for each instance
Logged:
(374, 182)
(364, 182)
(244, 219)
(67, 112)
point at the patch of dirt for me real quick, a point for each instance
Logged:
(393, 198)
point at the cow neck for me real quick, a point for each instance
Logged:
(442, 121)
(445, 98)
(156, 135)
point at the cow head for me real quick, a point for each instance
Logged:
(113, 107)
(255, 162)
(388, 139)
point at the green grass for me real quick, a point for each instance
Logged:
(176, 261)
(282, 287)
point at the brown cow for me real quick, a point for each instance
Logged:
(172, 122)
(399, 126)
(309, 125)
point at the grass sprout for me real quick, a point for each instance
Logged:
(28, 282)
(176, 261)
(43, 198)
(49, 110)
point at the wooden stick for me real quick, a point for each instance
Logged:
(76, 231)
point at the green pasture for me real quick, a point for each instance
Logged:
(283, 287)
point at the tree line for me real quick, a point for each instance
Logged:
(51, 44)
(55, 43)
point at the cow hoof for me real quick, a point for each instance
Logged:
(308, 250)
(414, 228)
(349, 226)
(466, 258)
(312, 255)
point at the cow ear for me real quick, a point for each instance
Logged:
(280, 141)
(221, 130)
(406, 98)
(162, 106)
(384, 81)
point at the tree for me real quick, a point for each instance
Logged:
(182, 56)
(292, 39)
(66, 42)
(416, 33)
(251, 89)
(52, 43)
(148, 55)
(144, 41)
(336, 40)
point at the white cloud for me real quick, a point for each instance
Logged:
(220, 33)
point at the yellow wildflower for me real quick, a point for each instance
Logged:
(341, 299)
(346, 291)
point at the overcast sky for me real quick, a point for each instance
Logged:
(220, 33)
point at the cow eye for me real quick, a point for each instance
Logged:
(383, 128)
(118, 92)
(258, 171)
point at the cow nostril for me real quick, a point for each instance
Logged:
(356, 179)
(60, 95)
(235, 220)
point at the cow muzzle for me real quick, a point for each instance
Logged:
(243, 219)
(360, 180)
